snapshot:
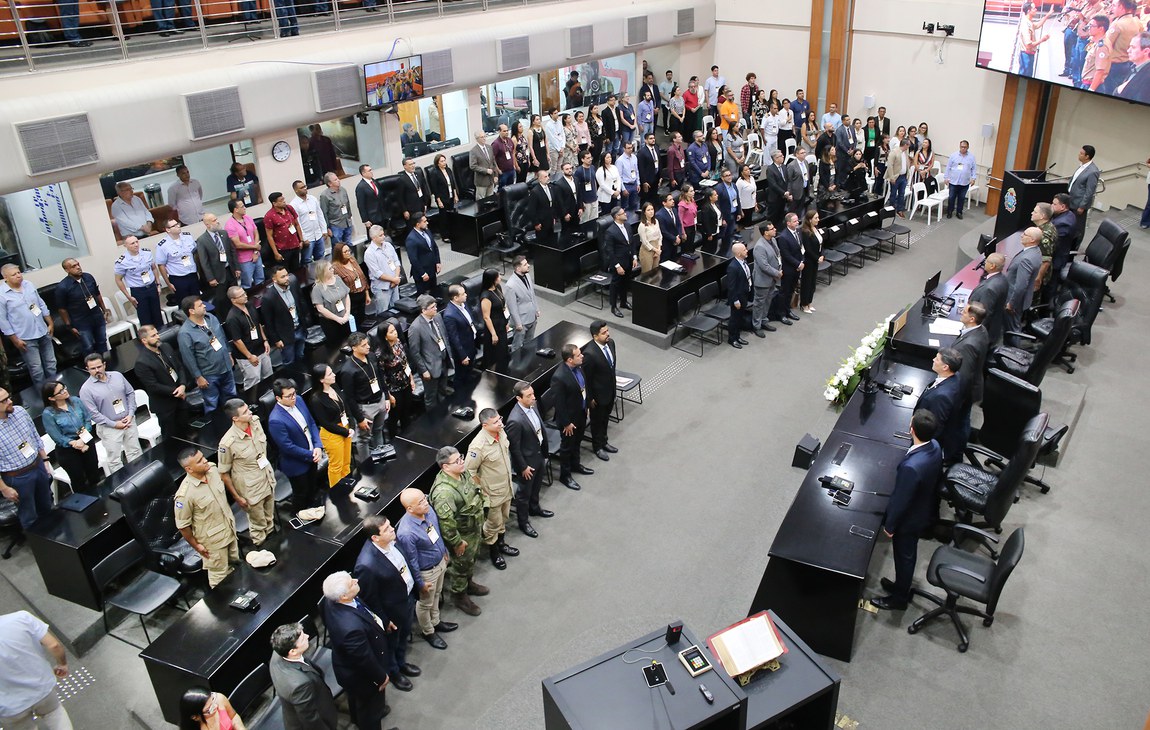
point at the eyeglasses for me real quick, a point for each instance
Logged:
(6, 400)
(456, 460)
(60, 392)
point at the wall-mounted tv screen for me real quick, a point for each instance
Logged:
(388, 82)
(1102, 47)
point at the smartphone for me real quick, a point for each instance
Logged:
(295, 523)
(862, 532)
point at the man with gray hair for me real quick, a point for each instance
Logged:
(359, 652)
(1021, 276)
(336, 208)
(481, 160)
(383, 269)
(26, 321)
(249, 341)
(458, 502)
(305, 699)
(429, 351)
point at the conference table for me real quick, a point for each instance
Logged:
(556, 264)
(527, 364)
(655, 295)
(833, 212)
(467, 222)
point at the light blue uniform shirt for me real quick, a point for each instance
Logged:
(20, 636)
(137, 270)
(628, 167)
(22, 312)
(178, 256)
(960, 169)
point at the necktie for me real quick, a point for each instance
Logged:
(547, 191)
(219, 242)
(362, 608)
(374, 189)
(607, 352)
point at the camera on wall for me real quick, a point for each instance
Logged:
(931, 27)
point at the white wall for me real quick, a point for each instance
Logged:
(768, 37)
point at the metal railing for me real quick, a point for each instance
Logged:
(36, 35)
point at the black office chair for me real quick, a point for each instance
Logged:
(10, 526)
(498, 244)
(513, 199)
(713, 302)
(142, 595)
(835, 239)
(1086, 283)
(1119, 262)
(319, 652)
(1031, 365)
(856, 235)
(1103, 248)
(146, 499)
(696, 325)
(249, 703)
(592, 278)
(968, 575)
(464, 177)
(1008, 404)
(898, 229)
(975, 492)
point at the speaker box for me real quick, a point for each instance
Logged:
(806, 451)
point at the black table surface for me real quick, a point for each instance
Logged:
(525, 364)
(437, 427)
(801, 675)
(815, 531)
(832, 212)
(877, 416)
(660, 278)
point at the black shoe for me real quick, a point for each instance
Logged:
(769, 328)
(602, 455)
(741, 341)
(528, 530)
(624, 305)
(785, 321)
(792, 315)
(610, 449)
(890, 603)
(167, 33)
(569, 483)
(540, 512)
(400, 682)
(504, 548)
(959, 215)
(446, 627)
(760, 334)
(79, 44)
(497, 559)
(448, 390)
(887, 585)
(410, 670)
(580, 469)
(735, 345)
(617, 313)
(435, 641)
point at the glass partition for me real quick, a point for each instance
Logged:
(433, 123)
(505, 102)
(330, 146)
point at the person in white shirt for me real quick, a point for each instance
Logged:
(383, 269)
(610, 184)
(628, 167)
(186, 196)
(129, 213)
(556, 137)
(960, 172)
(313, 226)
(711, 86)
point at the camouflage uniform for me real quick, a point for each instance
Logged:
(459, 505)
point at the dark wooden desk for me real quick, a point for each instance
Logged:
(437, 427)
(557, 265)
(878, 416)
(536, 369)
(214, 645)
(803, 693)
(68, 545)
(833, 212)
(467, 222)
(817, 567)
(655, 295)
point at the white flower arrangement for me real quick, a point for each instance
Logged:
(842, 384)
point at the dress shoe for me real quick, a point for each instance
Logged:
(167, 33)
(580, 469)
(79, 44)
(785, 321)
(625, 305)
(959, 215)
(445, 627)
(736, 345)
(497, 559)
(435, 641)
(887, 585)
(902, 214)
(617, 313)
(602, 455)
(760, 334)
(570, 483)
(948, 214)
(540, 512)
(889, 603)
(448, 390)
(504, 548)
(410, 670)
(400, 682)
(474, 589)
(610, 449)
(741, 341)
(386, 711)
(792, 315)
(769, 328)
(528, 530)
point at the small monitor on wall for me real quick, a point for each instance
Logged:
(389, 82)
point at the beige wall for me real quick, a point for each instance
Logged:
(769, 37)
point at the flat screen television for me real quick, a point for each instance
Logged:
(389, 82)
(1052, 41)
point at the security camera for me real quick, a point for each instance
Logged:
(928, 27)
(362, 117)
(948, 29)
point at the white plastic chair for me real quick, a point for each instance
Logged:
(791, 146)
(943, 194)
(148, 428)
(973, 190)
(708, 123)
(59, 475)
(127, 311)
(118, 325)
(922, 200)
(754, 142)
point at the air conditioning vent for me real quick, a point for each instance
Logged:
(686, 22)
(49, 145)
(215, 112)
(438, 69)
(514, 54)
(337, 88)
(580, 41)
(636, 30)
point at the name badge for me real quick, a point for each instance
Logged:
(185, 259)
(432, 534)
(146, 277)
(394, 266)
(172, 372)
(343, 420)
(958, 166)
(215, 344)
(26, 450)
(118, 407)
(374, 385)
(339, 306)
(223, 257)
(91, 302)
(311, 215)
(35, 309)
(442, 345)
(587, 187)
(343, 210)
(507, 155)
(358, 283)
(506, 313)
(253, 333)
(291, 230)
(84, 436)
(263, 462)
(407, 370)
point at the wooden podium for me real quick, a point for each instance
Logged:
(1021, 189)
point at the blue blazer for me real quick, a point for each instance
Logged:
(945, 402)
(911, 505)
(738, 285)
(459, 333)
(669, 225)
(725, 201)
(359, 653)
(295, 457)
(422, 257)
(381, 586)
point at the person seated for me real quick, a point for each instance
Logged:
(855, 185)
(409, 135)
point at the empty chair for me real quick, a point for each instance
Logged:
(1008, 404)
(696, 325)
(1031, 366)
(127, 310)
(968, 575)
(592, 278)
(142, 595)
(248, 700)
(708, 124)
(1086, 283)
(148, 427)
(10, 526)
(922, 200)
(713, 303)
(898, 229)
(119, 325)
(497, 245)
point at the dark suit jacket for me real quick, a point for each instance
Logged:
(438, 185)
(619, 249)
(973, 345)
(304, 695)
(295, 457)
(790, 250)
(738, 284)
(210, 266)
(812, 249)
(945, 402)
(422, 258)
(369, 202)
(460, 334)
(1020, 274)
(1138, 86)
(911, 505)
(669, 224)
(410, 199)
(540, 210)
(706, 221)
(883, 127)
(381, 586)
(526, 451)
(569, 404)
(599, 373)
(991, 292)
(277, 318)
(567, 198)
(776, 185)
(648, 167)
(725, 200)
(157, 381)
(358, 648)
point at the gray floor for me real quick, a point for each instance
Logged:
(678, 525)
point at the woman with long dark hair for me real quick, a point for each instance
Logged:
(538, 144)
(350, 272)
(688, 213)
(328, 407)
(812, 257)
(444, 193)
(397, 377)
(493, 309)
(69, 425)
(872, 138)
(202, 709)
(519, 135)
(595, 128)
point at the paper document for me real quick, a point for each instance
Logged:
(943, 326)
(622, 382)
(671, 266)
(747, 645)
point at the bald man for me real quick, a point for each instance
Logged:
(417, 536)
(739, 283)
(217, 263)
(1021, 276)
(991, 292)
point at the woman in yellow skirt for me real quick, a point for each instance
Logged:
(335, 428)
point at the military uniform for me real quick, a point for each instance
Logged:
(203, 506)
(244, 459)
(459, 506)
(140, 275)
(1097, 62)
(489, 457)
(178, 257)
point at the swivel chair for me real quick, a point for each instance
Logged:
(10, 526)
(1008, 404)
(1086, 283)
(497, 243)
(514, 202)
(1031, 365)
(464, 177)
(968, 575)
(146, 499)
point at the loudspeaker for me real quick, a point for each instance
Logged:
(987, 131)
(806, 451)
(868, 101)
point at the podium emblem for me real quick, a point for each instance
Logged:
(1010, 202)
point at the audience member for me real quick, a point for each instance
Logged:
(285, 315)
(248, 475)
(768, 271)
(306, 702)
(1083, 184)
(313, 230)
(359, 649)
(543, 208)
(458, 502)
(281, 223)
(504, 150)
(252, 351)
(812, 240)
(241, 229)
(138, 280)
(31, 692)
(462, 332)
(204, 517)
(1021, 275)
(489, 460)
(992, 293)
(186, 196)
(960, 172)
(369, 198)
(944, 399)
(335, 208)
(26, 321)
(202, 347)
(570, 389)
(296, 435)
(81, 307)
(217, 261)
(387, 586)
(368, 401)
(348, 270)
(527, 440)
(176, 260)
(132, 218)
(27, 475)
(621, 260)
(331, 299)
(165, 379)
(419, 538)
(111, 401)
(897, 166)
(522, 305)
(791, 250)
(972, 344)
(423, 256)
(599, 363)
(331, 411)
(68, 423)
(738, 281)
(242, 185)
(429, 351)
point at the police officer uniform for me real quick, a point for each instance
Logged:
(243, 458)
(178, 257)
(489, 457)
(203, 506)
(459, 505)
(140, 275)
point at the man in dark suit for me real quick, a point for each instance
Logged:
(796, 176)
(973, 343)
(648, 154)
(621, 260)
(599, 369)
(728, 208)
(285, 314)
(423, 256)
(882, 121)
(429, 351)
(991, 293)
(566, 190)
(791, 252)
(844, 145)
(460, 325)
(1065, 225)
(911, 507)
(1137, 87)
(369, 199)
(568, 386)
(739, 297)
(543, 208)
(414, 197)
(305, 699)
(166, 381)
(217, 264)
(387, 586)
(527, 439)
(359, 649)
(944, 399)
(777, 193)
(671, 227)
(1020, 276)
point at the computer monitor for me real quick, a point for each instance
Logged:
(931, 284)
(388, 82)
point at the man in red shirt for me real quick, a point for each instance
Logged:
(282, 226)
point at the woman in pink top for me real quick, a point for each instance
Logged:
(582, 132)
(687, 213)
(201, 709)
(241, 229)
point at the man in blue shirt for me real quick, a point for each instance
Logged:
(729, 207)
(960, 172)
(628, 166)
(25, 476)
(204, 349)
(24, 318)
(698, 160)
(81, 306)
(800, 106)
(832, 116)
(176, 258)
(418, 537)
